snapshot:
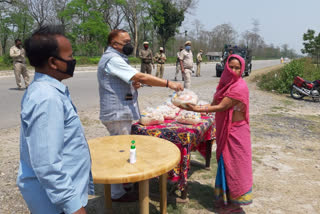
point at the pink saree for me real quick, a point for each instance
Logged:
(233, 138)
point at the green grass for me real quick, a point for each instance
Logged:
(281, 80)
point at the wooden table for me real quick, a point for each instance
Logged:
(110, 165)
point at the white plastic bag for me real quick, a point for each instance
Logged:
(151, 116)
(189, 117)
(184, 97)
(167, 112)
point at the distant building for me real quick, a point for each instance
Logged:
(214, 56)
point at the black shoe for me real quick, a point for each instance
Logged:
(128, 197)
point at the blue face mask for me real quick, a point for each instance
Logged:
(188, 47)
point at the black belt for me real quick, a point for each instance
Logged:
(19, 61)
(160, 63)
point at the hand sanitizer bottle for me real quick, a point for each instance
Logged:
(133, 152)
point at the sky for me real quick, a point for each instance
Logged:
(281, 21)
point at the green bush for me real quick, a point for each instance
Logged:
(7, 60)
(84, 60)
(282, 79)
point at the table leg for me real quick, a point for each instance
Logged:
(184, 193)
(107, 196)
(144, 196)
(208, 153)
(163, 193)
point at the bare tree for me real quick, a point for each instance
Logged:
(221, 35)
(40, 10)
(130, 10)
(112, 12)
(59, 6)
(255, 26)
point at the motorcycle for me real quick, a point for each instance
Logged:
(302, 88)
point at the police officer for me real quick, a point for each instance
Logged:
(186, 63)
(160, 59)
(199, 60)
(19, 63)
(178, 65)
(146, 59)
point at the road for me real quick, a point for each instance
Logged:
(84, 90)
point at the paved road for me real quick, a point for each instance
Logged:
(84, 90)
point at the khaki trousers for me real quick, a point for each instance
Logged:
(146, 68)
(198, 70)
(187, 78)
(21, 69)
(160, 69)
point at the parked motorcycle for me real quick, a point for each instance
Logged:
(302, 88)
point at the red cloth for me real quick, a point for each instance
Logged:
(233, 139)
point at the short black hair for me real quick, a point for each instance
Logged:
(17, 40)
(43, 44)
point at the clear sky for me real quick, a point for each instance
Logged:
(281, 21)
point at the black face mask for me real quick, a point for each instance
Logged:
(71, 65)
(127, 49)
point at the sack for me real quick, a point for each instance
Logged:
(184, 97)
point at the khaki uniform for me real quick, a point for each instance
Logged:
(187, 60)
(160, 59)
(19, 66)
(146, 60)
(178, 67)
(199, 60)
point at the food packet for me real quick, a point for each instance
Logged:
(184, 97)
(167, 112)
(189, 117)
(151, 116)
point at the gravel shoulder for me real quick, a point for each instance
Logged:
(285, 141)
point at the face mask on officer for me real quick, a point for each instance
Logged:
(146, 46)
(71, 65)
(188, 47)
(127, 49)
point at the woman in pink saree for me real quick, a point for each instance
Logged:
(233, 184)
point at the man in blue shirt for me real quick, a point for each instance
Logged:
(118, 83)
(55, 167)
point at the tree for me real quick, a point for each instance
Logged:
(311, 44)
(88, 31)
(40, 10)
(221, 35)
(167, 18)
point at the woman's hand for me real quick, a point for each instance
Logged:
(136, 85)
(190, 107)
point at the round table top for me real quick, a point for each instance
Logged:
(110, 158)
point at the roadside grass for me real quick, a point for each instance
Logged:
(280, 80)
